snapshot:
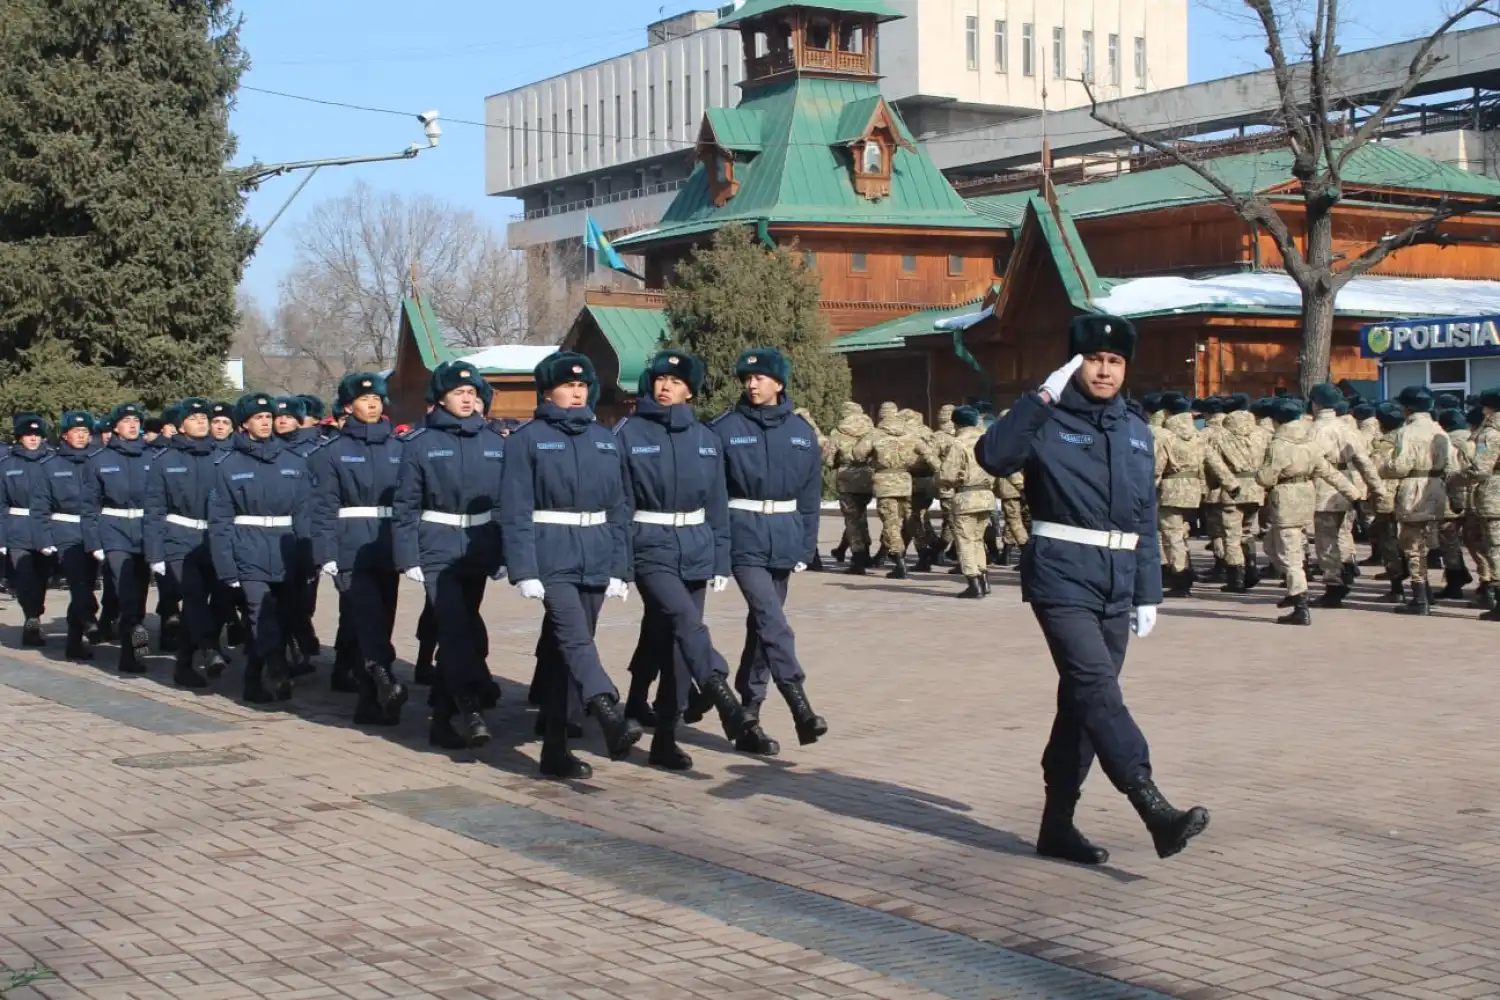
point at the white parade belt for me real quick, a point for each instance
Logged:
(571, 518)
(381, 513)
(764, 506)
(252, 521)
(669, 519)
(68, 518)
(187, 522)
(19, 511)
(129, 513)
(456, 520)
(1086, 536)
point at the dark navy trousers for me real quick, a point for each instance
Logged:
(193, 578)
(367, 600)
(1088, 649)
(132, 578)
(568, 661)
(29, 570)
(81, 571)
(455, 598)
(268, 611)
(770, 646)
(674, 639)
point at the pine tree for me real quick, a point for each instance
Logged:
(736, 294)
(121, 240)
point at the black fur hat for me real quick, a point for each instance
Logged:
(764, 361)
(1093, 333)
(561, 368)
(683, 365)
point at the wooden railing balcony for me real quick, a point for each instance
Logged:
(835, 61)
(769, 64)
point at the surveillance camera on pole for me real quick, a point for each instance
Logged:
(430, 127)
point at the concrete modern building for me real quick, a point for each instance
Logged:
(614, 140)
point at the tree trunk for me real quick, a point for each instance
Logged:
(1317, 299)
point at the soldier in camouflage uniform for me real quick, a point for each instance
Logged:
(1293, 461)
(1233, 459)
(1344, 448)
(1486, 494)
(1388, 419)
(943, 439)
(817, 557)
(891, 452)
(1012, 493)
(1179, 484)
(1363, 415)
(924, 491)
(1473, 526)
(973, 500)
(1151, 405)
(1423, 462)
(1450, 531)
(1213, 410)
(854, 482)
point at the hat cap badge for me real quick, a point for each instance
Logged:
(674, 360)
(1108, 328)
(463, 373)
(577, 369)
(752, 359)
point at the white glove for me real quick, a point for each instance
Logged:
(1058, 380)
(719, 584)
(532, 589)
(1145, 621)
(50, 550)
(234, 585)
(799, 567)
(414, 574)
(99, 555)
(159, 568)
(617, 588)
(332, 569)
(4, 550)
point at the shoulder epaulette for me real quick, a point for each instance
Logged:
(95, 451)
(225, 453)
(415, 432)
(523, 423)
(619, 424)
(322, 443)
(719, 417)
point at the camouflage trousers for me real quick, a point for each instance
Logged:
(1450, 541)
(1213, 527)
(968, 536)
(856, 508)
(1384, 544)
(946, 534)
(894, 513)
(1238, 545)
(1415, 539)
(1013, 513)
(1171, 529)
(1287, 547)
(1475, 540)
(1328, 542)
(1491, 529)
(919, 529)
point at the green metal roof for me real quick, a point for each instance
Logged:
(757, 8)
(737, 129)
(803, 176)
(418, 317)
(893, 333)
(1062, 242)
(855, 119)
(635, 335)
(1167, 187)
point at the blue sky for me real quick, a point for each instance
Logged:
(451, 54)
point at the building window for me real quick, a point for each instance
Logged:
(872, 159)
(1448, 374)
(724, 98)
(1028, 50)
(1000, 60)
(851, 37)
(510, 162)
(687, 105)
(1140, 64)
(707, 83)
(601, 123)
(820, 35)
(540, 144)
(525, 143)
(671, 118)
(858, 263)
(1059, 55)
(971, 41)
(955, 265)
(635, 114)
(908, 263)
(651, 111)
(1114, 60)
(556, 136)
(570, 131)
(1088, 56)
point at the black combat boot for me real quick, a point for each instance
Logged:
(620, 733)
(1252, 573)
(715, 693)
(1453, 585)
(1493, 614)
(1234, 580)
(1010, 556)
(1299, 615)
(31, 633)
(1216, 575)
(185, 671)
(130, 659)
(77, 647)
(234, 631)
(341, 678)
(367, 711)
(299, 659)
(859, 562)
(810, 725)
(442, 732)
(468, 722)
(1182, 583)
(276, 677)
(1060, 839)
(1333, 597)
(1171, 829)
(171, 634)
(1484, 596)
(1420, 603)
(140, 641)
(993, 554)
(214, 663)
(974, 590)
(256, 692)
(638, 701)
(924, 559)
(390, 693)
(1286, 601)
(753, 740)
(665, 753)
(1394, 595)
(840, 550)
(557, 760)
(816, 566)
(424, 673)
(898, 568)
(1352, 572)
(984, 583)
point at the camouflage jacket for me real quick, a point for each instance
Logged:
(1486, 443)
(1345, 450)
(1382, 450)
(892, 452)
(1236, 455)
(1462, 441)
(851, 476)
(973, 489)
(1293, 461)
(1213, 426)
(1423, 462)
(1179, 462)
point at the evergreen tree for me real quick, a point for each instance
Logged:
(121, 240)
(736, 294)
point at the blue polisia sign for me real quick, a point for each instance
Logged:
(1429, 339)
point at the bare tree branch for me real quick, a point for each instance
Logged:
(1423, 231)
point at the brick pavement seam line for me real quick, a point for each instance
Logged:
(97, 698)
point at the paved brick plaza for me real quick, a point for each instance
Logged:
(156, 843)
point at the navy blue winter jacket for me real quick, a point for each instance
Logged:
(259, 479)
(64, 471)
(451, 466)
(770, 453)
(21, 487)
(674, 464)
(357, 468)
(116, 480)
(564, 460)
(181, 477)
(1090, 465)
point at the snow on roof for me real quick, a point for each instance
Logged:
(966, 320)
(1369, 295)
(508, 357)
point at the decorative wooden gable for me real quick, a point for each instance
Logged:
(869, 130)
(728, 137)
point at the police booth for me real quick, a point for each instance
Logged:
(1459, 355)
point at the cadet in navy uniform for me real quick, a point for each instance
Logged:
(1093, 557)
(447, 538)
(114, 506)
(258, 522)
(354, 496)
(565, 512)
(59, 510)
(22, 537)
(302, 595)
(176, 538)
(221, 424)
(168, 594)
(680, 544)
(774, 473)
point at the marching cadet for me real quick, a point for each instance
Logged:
(923, 492)
(175, 538)
(1486, 493)
(23, 538)
(565, 512)
(1423, 462)
(221, 424)
(446, 536)
(258, 521)
(890, 451)
(1473, 521)
(1232, 459)
(301, 599)
(772, 471)
(1456, 575)
(1344, 448)
(971, 500)
(354, 491)
(58, 509)
(1390, 418)
(1179, 480)
(114, 506)
(680, 544)
(1214, 414)
(943, 439)
(855, 483)
(168, 596)
(1293, 460)
(1090, 482)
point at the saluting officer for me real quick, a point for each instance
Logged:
(22, 538)
(114, 501)
(447, 538)
(565, 512)
(680, 545)
(773, 471)
(59, 510)
(1091, 484)
(354, 495)
(258, 519)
